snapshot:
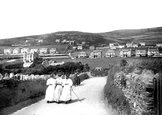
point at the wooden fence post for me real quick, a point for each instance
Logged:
(155, 94)
(160, 94)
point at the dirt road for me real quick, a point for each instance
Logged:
(92, 102)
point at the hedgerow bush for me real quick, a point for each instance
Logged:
(12, 93)
(132, 83)
(99, 73)
(115, 95)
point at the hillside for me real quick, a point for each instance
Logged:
(149, 35)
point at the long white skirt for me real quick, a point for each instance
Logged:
(57, 93)
(50, 93)
(66, 93)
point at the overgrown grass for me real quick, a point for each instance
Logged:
(14, 92)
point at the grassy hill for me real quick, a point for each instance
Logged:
(149, 35)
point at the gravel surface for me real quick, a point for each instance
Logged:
(91, 102)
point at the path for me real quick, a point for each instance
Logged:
(92, 102)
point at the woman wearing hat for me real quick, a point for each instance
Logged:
(51, 82)
(58, 89)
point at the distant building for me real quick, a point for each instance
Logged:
(52, 50)
(125, 52)
(43, 51)
(40, 40)
(34, 50)
(159, 45)
(64, 41)
(24, 50)
(113, 45)
(57, 40)
(153, 52)
(72, 42)
(80, 47)
(92, 47)
(82, 55)
(96, 54)
(142, 43)
(110, 53)
(141, 52)
(28, 58)
(7, 51)
(16, 51)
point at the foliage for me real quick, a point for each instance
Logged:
(115, 95)
(14, 91)
(103, 72)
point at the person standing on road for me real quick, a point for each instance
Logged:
(67, 89)
(51, 82)
(77, 78)
(58, 89)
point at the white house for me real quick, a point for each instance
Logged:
(43, 50)
(24, 50)
(28, 58)
(159, 45)
(113, 45)
(34, 50)
(79, 47)
(57, 40)
(7, 51)
(82, 54)
(52, 50)
(16, 51)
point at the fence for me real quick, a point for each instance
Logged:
(157, 82)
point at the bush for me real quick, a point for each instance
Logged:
(115, 95)
(12, 94)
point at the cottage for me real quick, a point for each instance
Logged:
(24, 50)
(113, 45)
(43, 50)
(34, 50)
(52, 50)
(7, 51)
(79, 47)
(82, 55)
(72, 42)
(159, 45)
(92, 47)
(96, 54)
(128, 45)
(110, 53)
(57, 40)
(64, 41)
(16, 51)
(141, 52)
(153, 52)
(142, 43)
(125, 52)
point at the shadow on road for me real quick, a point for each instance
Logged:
(76, 100)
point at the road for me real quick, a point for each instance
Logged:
(90, 93)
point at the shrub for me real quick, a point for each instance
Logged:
(22, 91)
(115, 95)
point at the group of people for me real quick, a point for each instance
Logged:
(59, 88)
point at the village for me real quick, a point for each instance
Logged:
(84, 50)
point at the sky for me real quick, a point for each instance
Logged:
(32, 17)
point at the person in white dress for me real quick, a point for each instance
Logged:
(51, 82)
(67, 90)
(58, 89)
